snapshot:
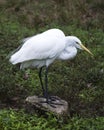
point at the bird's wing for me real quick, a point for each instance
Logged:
(25, 39)
(39, 47)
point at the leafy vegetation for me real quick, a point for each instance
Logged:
(10, 120)
(80, 81)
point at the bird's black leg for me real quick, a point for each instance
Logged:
(45, 89)
(40, 77)
(49, 100)
(46, 85)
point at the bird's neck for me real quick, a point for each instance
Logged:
(69, 41)
(68, 53)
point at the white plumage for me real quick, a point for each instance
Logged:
(42, 49)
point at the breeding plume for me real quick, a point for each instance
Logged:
(42, 49)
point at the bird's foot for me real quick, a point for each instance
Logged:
(55, 98)
(53, 101)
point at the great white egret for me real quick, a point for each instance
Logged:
(42, 49)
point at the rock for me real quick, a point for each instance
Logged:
(56, 106)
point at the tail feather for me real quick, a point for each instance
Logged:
(14, 59)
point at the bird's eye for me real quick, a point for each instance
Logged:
(77, 43)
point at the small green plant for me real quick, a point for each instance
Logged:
(10, 120)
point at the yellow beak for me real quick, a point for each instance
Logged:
(84, 48)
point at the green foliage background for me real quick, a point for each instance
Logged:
(80, 81)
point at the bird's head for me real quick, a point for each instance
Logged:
(74, 41)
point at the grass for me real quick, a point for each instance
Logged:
(12, 120)
(79, 82)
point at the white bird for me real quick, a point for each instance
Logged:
(42, 49)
